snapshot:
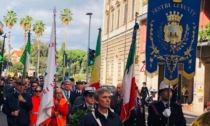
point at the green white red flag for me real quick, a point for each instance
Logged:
(129, 84)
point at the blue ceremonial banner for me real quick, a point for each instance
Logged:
(172, 35)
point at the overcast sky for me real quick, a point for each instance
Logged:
(43, 9)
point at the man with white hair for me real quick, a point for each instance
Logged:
(103, 115)
(160, 111)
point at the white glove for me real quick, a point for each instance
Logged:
(167, 112)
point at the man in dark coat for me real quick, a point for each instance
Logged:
(78, 92)
(117, 99)
(1, 91)
(17, 106)
(160, 111)
(103, 115)
(8, 87)
(137, 116)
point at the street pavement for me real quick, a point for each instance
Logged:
(189, 118)
(3, 119)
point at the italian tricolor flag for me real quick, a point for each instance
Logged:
(25, 58)
(95, 75)
(129, 84)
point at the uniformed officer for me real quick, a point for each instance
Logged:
(1, 91)
(137, 116)
(88, 99)
(160, 111)
(150, 99)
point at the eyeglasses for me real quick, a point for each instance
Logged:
(90, 95)
(38, 91)
(33, 86)
(10, 80)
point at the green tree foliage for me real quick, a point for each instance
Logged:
(25, 23)
(204, 33)
(75, 59)
(66, 16)
(10, 19)
(43, 55)
(16, 67)
(76, 55)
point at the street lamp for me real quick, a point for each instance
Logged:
(90, 14)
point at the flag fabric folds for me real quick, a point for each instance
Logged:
(129, 83)
(25, 58)
(47, 98)
(95, 75)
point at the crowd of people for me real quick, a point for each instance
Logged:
(21, 101)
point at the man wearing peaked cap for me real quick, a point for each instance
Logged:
(160, 111)
(17, 106)
(78, 92)
(89, 101)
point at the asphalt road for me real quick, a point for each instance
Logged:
(3, 119)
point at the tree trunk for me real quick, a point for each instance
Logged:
(9, 48)
(38, 56)
(24, 43)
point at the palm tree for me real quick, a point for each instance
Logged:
(38, 28)
(10, 19)
(25, 23)
(66, 17)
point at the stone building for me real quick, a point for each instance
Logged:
(118, 22)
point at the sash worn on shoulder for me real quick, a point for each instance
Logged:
(155, 110)
(97, 120)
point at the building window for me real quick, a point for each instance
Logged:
(133, 9)
(125, 12)
(112, 20)
(118, 17)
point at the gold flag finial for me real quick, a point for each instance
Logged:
(177, 1)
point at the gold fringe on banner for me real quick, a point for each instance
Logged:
(170, 82)
(188, 76)
(177, 1)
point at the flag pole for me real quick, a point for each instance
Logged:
(54, 14)
(24, 69)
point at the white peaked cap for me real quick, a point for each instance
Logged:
(153, 90)
(163, 85)
(90, 89)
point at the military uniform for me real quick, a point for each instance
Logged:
(137, 116)
(1, 95)
(156, 118)
(84, 107)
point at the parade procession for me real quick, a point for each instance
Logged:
(105, 63)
